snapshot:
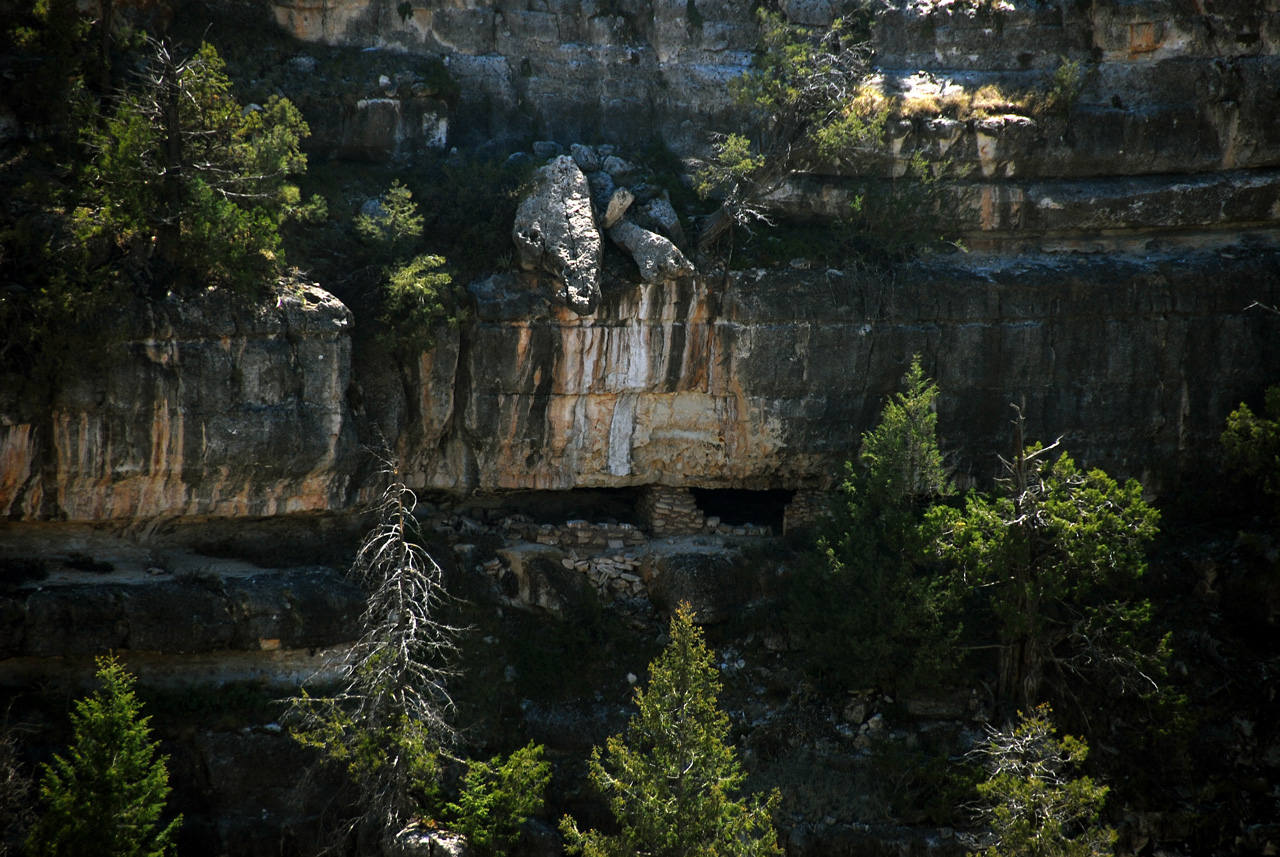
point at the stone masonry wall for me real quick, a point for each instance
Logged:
(804, 510)
(670, 511)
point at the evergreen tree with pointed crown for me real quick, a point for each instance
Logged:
(107, 796)
(672, 780)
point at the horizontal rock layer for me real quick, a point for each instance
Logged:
(269, 611)
(767, 380)
(1173, 92)
(762, 379)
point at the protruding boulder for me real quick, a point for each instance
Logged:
(618, 205)
(602, 188)
(657, 258)
(419, 841)
(547, 148)
(585, 157)
(617, 167)
(555, 231)
(659, 215)
(712, 581)
(542, 579)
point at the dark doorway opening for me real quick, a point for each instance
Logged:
(736, 507)
(597, 505)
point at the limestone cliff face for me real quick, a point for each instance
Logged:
(199, 407)
(758, 379)
(767, 380)
(1170, 132)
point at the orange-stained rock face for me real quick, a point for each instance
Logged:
(199, 411)
(767, 379)
(642, 392)
(762, 379)
(327, 21)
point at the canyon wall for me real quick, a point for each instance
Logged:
(1161, 173)
(1168, 133)
(766, 378)
(205, 407)
(758, 379)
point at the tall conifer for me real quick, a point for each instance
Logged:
(107, 796)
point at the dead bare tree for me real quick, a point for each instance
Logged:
(390, 715)
(15, 792)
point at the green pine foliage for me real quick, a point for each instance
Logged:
(1033, 804)
(901, 455)
(497, 796)
(395, 758)
(417, 294)
(1058, 553)
(1252, 442)
(869, 612)
(672, 779)
(153, 182)
(416, 297)
(186, 180)
(807, 87)
(394, 229)
(106, 797)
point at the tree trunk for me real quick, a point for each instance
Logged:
(170, 104)
(716, 228)
(1021, 671)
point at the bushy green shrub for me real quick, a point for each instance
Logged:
(416, 293)
(1033, 804)
(107, 796)
(869, 611)
(807, 86)
(1058, 553)
(395, 229)
(163, 183)
(183, 176)
(1252, 442)
(497, 796)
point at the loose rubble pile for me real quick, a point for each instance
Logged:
(618, 560)
(612, 576)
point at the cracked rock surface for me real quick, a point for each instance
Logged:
(657, 258)
(555, 231)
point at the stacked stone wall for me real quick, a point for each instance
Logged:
(577, 535)
(804, 510)
(669, 511)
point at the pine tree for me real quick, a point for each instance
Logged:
(1252, 443)
(673, 780)
(869, 614)
(389, 719)
(901, 453)
(105, 798)
(497, 796)
(1033, 805)
(184, 176)
(1057, 552)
